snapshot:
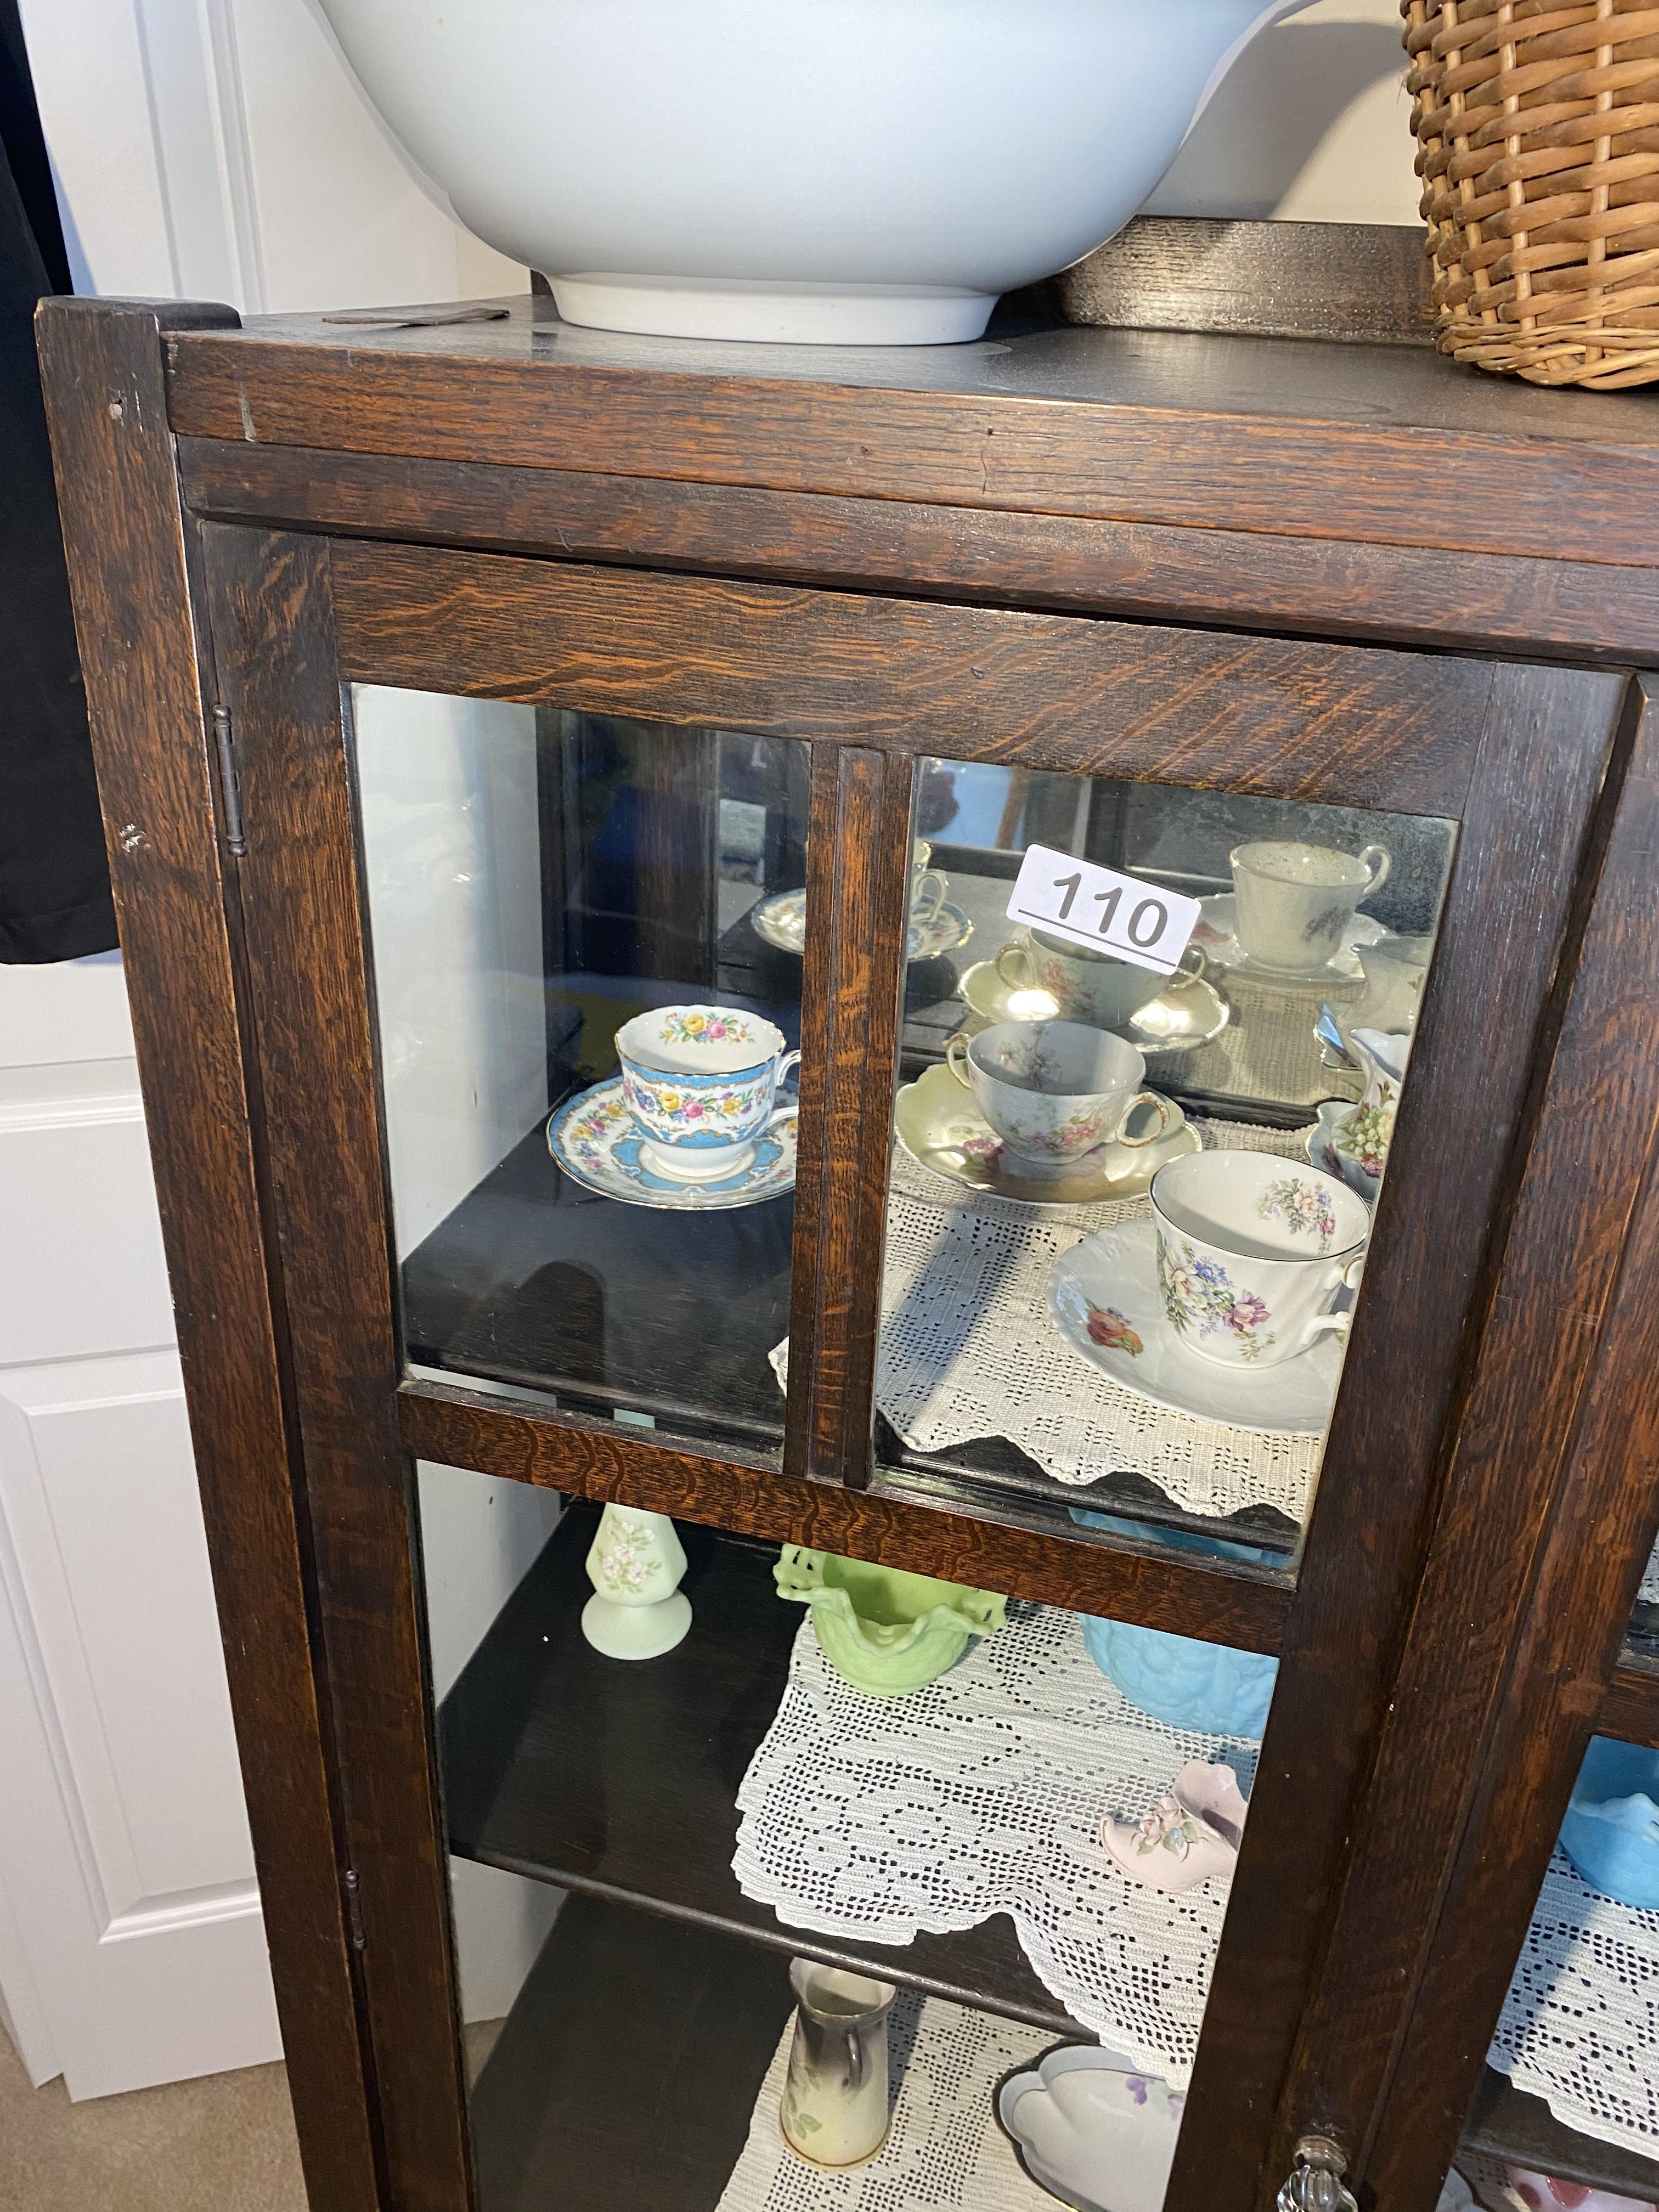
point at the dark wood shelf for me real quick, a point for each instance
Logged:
(625, 2074)
(1504, 2122)
(619, 1780)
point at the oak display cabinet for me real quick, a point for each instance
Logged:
(463, 689)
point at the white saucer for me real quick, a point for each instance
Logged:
(1113, 1274)
(782, 921)
(596, 1141)
(1175, 1021)
(938, 1123)
(1221, 948)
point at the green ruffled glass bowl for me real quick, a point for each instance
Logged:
(883, 1630)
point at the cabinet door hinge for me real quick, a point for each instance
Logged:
(354, 1908)
(230, 793)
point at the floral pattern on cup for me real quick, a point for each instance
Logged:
(1301, 1207)
(675, 1105)
(695, 1025)
(1199, 1295)
(1108, 1327)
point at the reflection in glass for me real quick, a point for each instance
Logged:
(588, 1046)
(1131, 1206)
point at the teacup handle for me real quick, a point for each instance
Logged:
(791, 1111)
(956, 1065)
(1013, 949)
(1185, 977)
(1143, 1098)
(1377, 861)
(929, 879)
(1325, 1323)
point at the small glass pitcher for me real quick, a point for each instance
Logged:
(835, 2098)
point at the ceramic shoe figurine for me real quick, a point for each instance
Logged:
(1192, 1833)
(638, 1610)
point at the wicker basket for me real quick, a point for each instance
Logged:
(1540, 127)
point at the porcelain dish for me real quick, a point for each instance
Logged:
(1328, 1145)
(597, 1143)
(1217, 934)
(803, 172)
(1174, 1021)
(1105, 1297)
(782, 921)
(1091, 2130)
(941, 1128)
(885, 1632)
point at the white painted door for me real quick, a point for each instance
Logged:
(131, 1948)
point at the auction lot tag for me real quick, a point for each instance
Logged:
(1124, 915)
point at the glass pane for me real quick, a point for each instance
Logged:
(1643, 1637)
(588, 1050)
(1569, 2092)
(1034, 1813)
(1129, 1208)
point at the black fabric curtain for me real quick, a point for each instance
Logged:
(54, 882)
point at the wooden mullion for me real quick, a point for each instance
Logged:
(1345, 725)
(269, 599)
(858, 877)
(150, 690)
(1244, 1606)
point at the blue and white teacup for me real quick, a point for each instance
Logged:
(1253, 1250)
(702, 1083)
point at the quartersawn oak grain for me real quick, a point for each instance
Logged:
(270, 608)
(1345, 724)
(1240, 1606)
(1562, 1433)
(1082, 423)
(857, 886)
(1153, 571)
(148, 670)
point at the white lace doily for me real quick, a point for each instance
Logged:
(1649, 1593)
(883, 1817)
(945, 2152)
(969, 1349)
(1580, 2027)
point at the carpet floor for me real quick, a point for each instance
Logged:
(222, 2143)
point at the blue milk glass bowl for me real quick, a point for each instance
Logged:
(1611, 1832)
(1209, 1688)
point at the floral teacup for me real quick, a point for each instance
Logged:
(702, 1083)
(1054, 1090)
(1252, 1250)
(1086, 985)
(1294, 903)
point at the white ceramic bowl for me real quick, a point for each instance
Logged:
(1092, 2131)
(853, 172)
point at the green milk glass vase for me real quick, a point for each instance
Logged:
(886, 1632)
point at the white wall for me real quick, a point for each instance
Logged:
(1312, 125)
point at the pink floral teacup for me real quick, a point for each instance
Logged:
(703, 1083)
(1054, 1091)
(1252, 1249)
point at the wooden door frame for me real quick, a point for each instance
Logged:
(294, 616)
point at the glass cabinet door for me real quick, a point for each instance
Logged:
(743, 1821)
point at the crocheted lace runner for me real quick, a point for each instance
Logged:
(945, 2152)
(969, 1349)
(1580, 2027)
(883, 1817)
